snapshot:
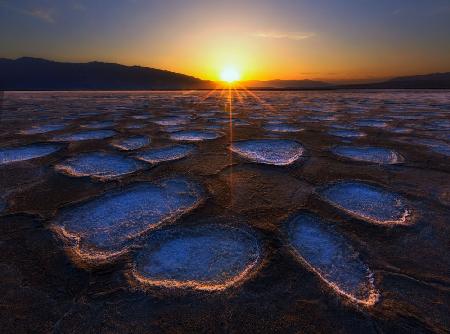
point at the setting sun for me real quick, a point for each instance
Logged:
(229, 74)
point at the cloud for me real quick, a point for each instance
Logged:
(43, 14)
(296, 36)
(78, 6)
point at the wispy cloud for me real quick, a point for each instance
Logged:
(76, 5)
(43, 14)
(296, 36)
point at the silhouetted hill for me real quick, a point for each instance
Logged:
(39, 74)
(285, 84)
(427, 81)
(28, 73)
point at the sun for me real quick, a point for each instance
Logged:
(230, 74)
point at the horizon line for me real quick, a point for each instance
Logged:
(355, 80)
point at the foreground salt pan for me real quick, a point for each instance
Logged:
(168, 153)
(99, 165)
(377, 155)
(368, 202)
(28, 152)
(85, 135)
(331, 257)
(347, 133)
(106, 226)
(210, 257)
(39, 129)
(282, 128)
(132, 143)
(269, 151)
(194, 135)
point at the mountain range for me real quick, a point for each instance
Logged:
(39, 74)
(28, 73)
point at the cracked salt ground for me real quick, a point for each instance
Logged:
(377, 155)
(331, 257)
(23, 153)
(102, 166)
(132, 143)
(106, 226)
(40, 129)
(140, 117)
(3, 204)
(98, 125)
(347, 133)
(194, 135)
(172, 128)
(167, 153)
(369, 203)
(172, 120)
(211, 257)
(134, 126)
(401, 130)
(279, 152)
(85, 135)
(282, 128)
(372, 123)
(434, 145)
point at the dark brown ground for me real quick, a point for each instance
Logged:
(43, 290)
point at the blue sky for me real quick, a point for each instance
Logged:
(334, 40)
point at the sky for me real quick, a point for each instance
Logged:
(331, 40)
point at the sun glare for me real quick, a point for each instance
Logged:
(230, 74)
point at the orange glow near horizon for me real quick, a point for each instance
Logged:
(265, 40)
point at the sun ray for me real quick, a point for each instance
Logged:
(259, 100)
(239, 97)
(211, 92)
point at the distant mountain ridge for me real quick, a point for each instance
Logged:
(425, 81)
(285, 84)
(28, 73)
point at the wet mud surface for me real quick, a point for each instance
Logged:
(225, 212)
